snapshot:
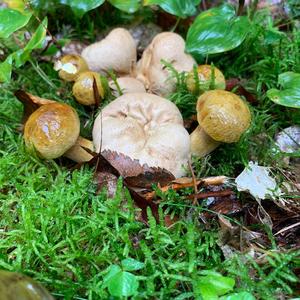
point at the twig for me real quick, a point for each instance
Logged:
(217, 180)
(241, 7)
(211, 194)
(287, 228)
(194, 181)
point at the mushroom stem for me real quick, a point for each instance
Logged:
(78, 153)
(202, 143)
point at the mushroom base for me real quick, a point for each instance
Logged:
(201, 143)
(78, 153)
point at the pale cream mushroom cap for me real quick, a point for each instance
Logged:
(153, 73)
(116, 52)
(127, 85)
(144, 127)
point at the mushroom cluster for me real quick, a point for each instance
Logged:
(139, 123)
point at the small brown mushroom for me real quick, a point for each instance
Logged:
(52, 130)
(223, 117)
(209, 77)
(83, 89)
(70, 66)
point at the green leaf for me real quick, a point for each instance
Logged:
(11, 20)
(178, 8)
(37, 39)
(123, 284)
(5, 69)
(120, 283)
(130, 264)
(214, 284)
(289, 95)
(20, 57)
(80, 7)
(216, 30)
(112, 271)
(129, 6)
(238, 296)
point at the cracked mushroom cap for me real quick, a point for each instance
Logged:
(223, 115)
(144, 127)
(52, 130)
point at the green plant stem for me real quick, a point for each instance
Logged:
(42, 74)
(253, 9)
(176, 24)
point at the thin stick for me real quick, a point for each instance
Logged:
(287, 228)
(217, 180)
(211, 194)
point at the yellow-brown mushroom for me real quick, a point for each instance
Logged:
(70, 66)
(53, 130)
(223, 117)
(209, 77)
(83, 89)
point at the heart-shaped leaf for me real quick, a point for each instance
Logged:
(217, 30)
(129, 6)
(238, 296)
(213, 284)
(178, 8)
(11, 20)
(120, 283)
(289, 95)
(130, 264)
(80, 7)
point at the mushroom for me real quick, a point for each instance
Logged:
(145, 127)
(126, 85)
(223, 117)
(209, 78)
(52, 130)
(16, 286)
(83, 89)
(70, 66)
(167, 46)
(116, 52)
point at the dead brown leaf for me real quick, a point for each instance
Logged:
(30, 102)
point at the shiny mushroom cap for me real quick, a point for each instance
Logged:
(70, 66)
(209, 77)
(52, 130)
(223, 115)
(83, 89)
(144, 127)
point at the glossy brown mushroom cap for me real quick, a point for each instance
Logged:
(223, 115)
(70, 66)
(83, 89)
(52, 129)
(15, 286)
(206, 79)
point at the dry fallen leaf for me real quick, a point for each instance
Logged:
(30, 102)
